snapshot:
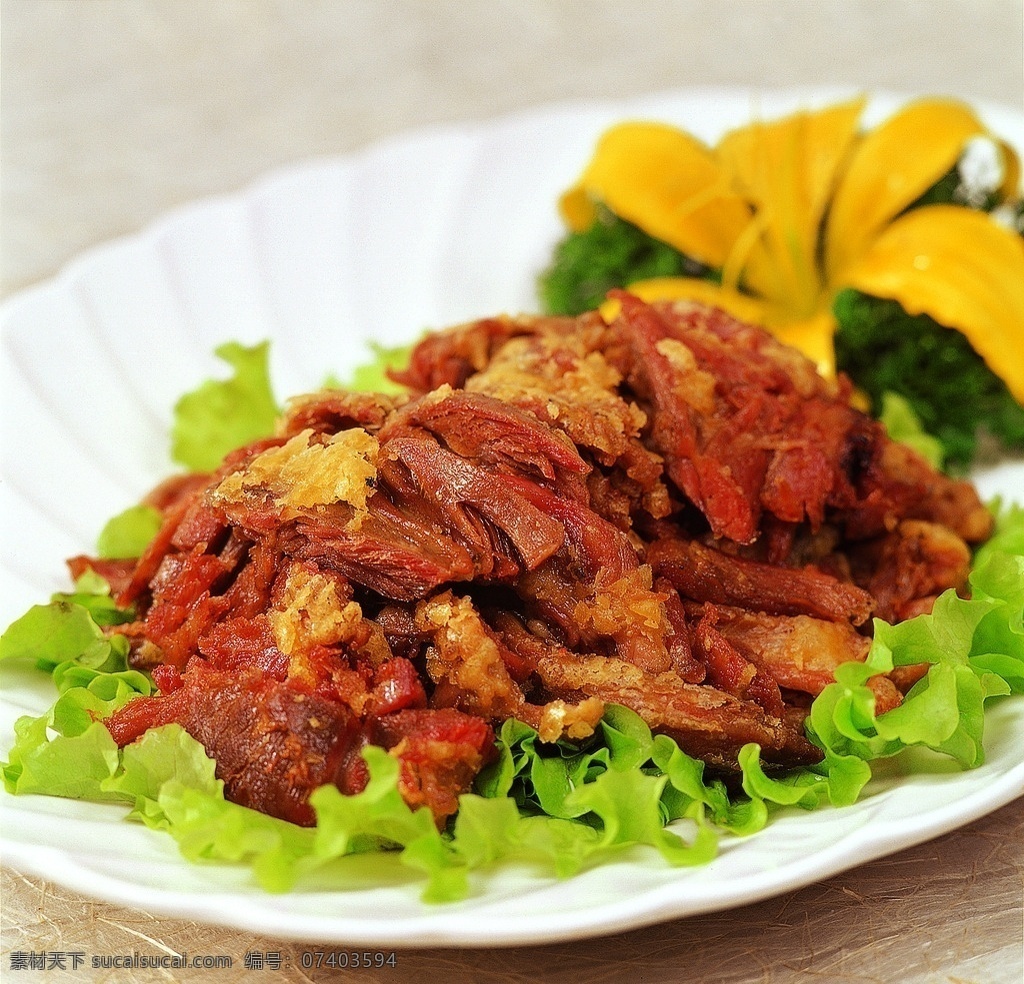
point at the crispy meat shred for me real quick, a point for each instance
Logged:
(670, 511)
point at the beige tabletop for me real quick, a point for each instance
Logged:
(114, 111)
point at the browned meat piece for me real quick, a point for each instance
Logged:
(119, 574)
(706, 722)
(397, 622)
(446, 520)
(466, 661)
(745, 426)
(484, 510)
(627, 611)
(147, 565)
(929, 495)
(274, 742)
(684, 660)
(441, 752)
(907, 569)
(704, 574)
(595, 589)
(438, 515)
(683, 397)
(730, 670)
(184, 605)
(450, 357)
(176, 489)
(593, 543)
(800, 652)
(495, 435)
(273, 745)
(887, 694)
(473, 670)
(330, 411)
(820, 461)
(564, 380)
(389, 553)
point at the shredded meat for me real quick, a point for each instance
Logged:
(705, 574)
(799, 652)
(671, 511)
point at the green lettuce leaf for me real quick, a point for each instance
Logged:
(379, 817)
(67, 639)
(92, 593)
(903, 424)
(221, 415)
(129, 532)
(170, 784)
(53, 634)
(372, 377)
(67, 751)
(975, 651)
(622, 787)
(998, 576)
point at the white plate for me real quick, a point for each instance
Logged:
(421, 231)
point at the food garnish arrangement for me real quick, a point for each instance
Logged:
(690, 547)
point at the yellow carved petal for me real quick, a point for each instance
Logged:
(787, 169)
(577, 209)
(961, 268)
(891, 167)
(667, 183)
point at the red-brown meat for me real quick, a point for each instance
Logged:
(671, 511)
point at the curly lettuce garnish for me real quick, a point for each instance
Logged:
(129, 532)
(222, 415)
(372, 376)
(903, 424)
(975, 651)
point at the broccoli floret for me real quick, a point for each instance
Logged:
(952, 391)
(611, 253)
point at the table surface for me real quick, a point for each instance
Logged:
(117, 110)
